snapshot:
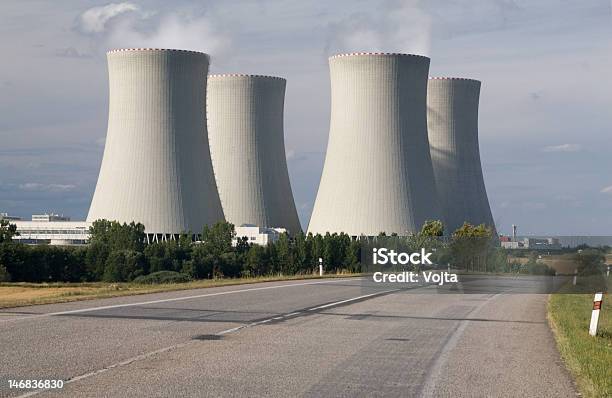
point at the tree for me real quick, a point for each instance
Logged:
(302, 255)
(353, 256)
(4, 274)
(95, 260)
(117, 236)
(470, 246)
(124, 266)
(15, 258)
(219, 237)
(590, 261)
(255, 263)
(283, 254)
(432, 228)
(7, 231)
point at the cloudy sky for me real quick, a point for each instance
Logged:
(546, 101)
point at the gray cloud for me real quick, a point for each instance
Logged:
(52, 122)
(562, 148)
(71, 52)
(607, 189)
(36, 186)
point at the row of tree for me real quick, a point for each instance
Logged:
(117, 252)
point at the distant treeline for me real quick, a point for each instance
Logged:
(118, 253)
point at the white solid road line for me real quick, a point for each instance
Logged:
(107, 368)
(351, 299)
(107, 307)
(222, 333)
(435, 370)
(293, 314)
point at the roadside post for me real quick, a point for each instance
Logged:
(608, 272)
(320, 266)
(597, 301)
(575, 277)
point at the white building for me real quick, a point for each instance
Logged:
(49, 217)
(52, 232)
(258, 235)
(6, 216)
(533, 244)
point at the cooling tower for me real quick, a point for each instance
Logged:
(245, 123)
(452, 118)
(377, 175)
(156, 167)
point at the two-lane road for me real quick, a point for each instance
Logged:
(338, 337)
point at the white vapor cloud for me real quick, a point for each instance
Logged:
(172, 31)
(562, 148)
(397, 27)
(607, 189)
(94, 20)
(148, 28)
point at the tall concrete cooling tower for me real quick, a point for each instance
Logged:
(452, 118)
(156, 167)
(378, 175)
(245, 123)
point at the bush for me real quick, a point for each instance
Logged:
(4, 275)
(162, 277)
(123, 266)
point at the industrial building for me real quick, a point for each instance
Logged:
(257, 235)
(531, 243)
(245, 129)
(6, 216)
(156, 168)
(47, 217)
(49, 228)
(378, 175)
(452, 123)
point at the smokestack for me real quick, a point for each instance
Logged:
(452, 121)
(156, 168)
(378, 175)
(245, 124)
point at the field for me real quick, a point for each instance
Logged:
(22, 294)
(588, 358)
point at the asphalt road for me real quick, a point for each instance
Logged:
(301, 338)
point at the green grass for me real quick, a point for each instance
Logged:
(22, 294)
(588, 358)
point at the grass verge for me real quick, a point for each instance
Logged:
(22, 294)
(588, 358)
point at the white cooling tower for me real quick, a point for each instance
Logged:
(378, 175)
(156, 168)
(452, 116)
(245, 124)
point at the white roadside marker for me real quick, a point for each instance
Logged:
(320, 266)
(597, 301)
(575, 276)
